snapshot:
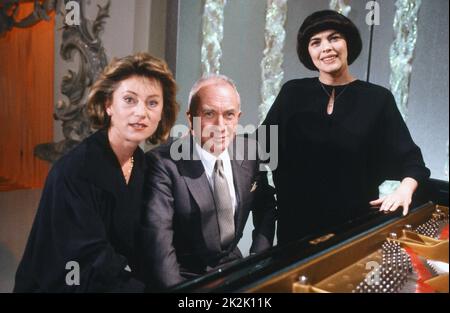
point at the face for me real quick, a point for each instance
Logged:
(328, 51)
(135, 109)
(219, 112)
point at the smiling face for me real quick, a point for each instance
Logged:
(328, 51)
(219, 111)
(135, 109)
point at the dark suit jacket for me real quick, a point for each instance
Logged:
(180, 232)
(87, 214)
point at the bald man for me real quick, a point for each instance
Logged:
(201, 189)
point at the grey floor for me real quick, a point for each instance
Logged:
(8, 266)
(17, 210)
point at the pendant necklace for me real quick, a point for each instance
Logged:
(330, 105)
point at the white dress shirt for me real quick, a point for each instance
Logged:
(209, 161)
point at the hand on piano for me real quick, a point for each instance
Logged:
(401, 197)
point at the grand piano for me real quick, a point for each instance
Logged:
(378, 253)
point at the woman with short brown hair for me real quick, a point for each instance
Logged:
(84, 235)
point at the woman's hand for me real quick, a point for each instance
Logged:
(400, 197)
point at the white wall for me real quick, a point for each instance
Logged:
(427, 117)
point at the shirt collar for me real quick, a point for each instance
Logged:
(209, 159)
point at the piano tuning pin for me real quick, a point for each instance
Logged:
(303, 280)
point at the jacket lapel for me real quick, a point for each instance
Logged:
(100, 165)
(194, 175)
(237, 161)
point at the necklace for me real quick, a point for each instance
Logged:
(128, 175)
(335, 96)
(332, 97)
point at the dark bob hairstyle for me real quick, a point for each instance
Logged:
(326, 20)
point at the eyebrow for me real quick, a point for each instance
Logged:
(154, 96)
(319, 38)
(150, 96)
(335, 33)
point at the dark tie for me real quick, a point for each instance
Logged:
(224, 205)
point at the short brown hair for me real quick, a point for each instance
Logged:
(139, 64)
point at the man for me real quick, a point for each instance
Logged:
(197, 204)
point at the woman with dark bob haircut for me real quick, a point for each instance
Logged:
(84, 234)
(339, 137)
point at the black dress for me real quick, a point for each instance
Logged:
(87, 214)
(330, 166)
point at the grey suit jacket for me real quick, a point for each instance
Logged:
(180, 232)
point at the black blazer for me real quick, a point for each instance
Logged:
(180, 231)
(89, 215)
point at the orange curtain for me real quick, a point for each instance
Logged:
(26, 101)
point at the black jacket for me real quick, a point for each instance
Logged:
(89, 215)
